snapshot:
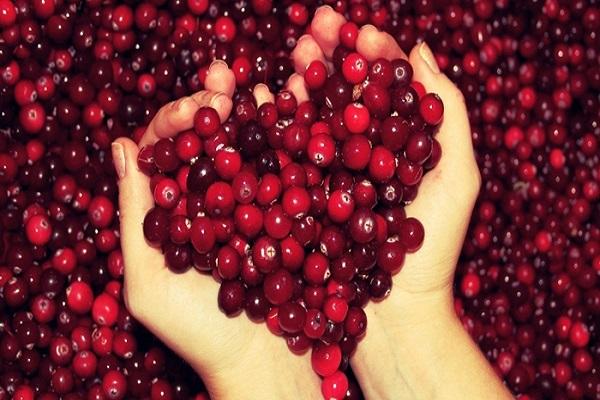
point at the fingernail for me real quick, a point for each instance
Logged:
(302, 38)
(260, 86)
(118, 159)
(217, 62)
(428, 57)
(323, 8)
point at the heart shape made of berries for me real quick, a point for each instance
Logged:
(297, 210)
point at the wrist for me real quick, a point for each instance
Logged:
(396, 354)
(263, 376)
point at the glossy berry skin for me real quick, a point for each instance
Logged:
(8, 13)
(231, 297)
(80, 297)
(356, 118)
(114, 385)
(355, 68)
(321, 150)
(206, 122)
(278, 287)
(356, 152)
(326, 359)
(363, 225)
(38, 230)
(315, 324)
(202, 234)
(335, 308)
(334, 386)
(411, 234)
(431, 109)
(340, 206)
(291, 317)
(382, 164)
(296, 202)
(315, 75)
(105, 309)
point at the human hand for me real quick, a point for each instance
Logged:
(446, 194)
(235, 357)
(415, 346)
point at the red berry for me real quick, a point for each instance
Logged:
(38, 230)
(315, 75)
(206, 122)
(356, 118)
(335, 386)
(105, 310)
(355, 68)
(326, 359)
(80, 297)
(431, 108)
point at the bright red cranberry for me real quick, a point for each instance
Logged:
(38, 230)
(335, 308)
(326, 359)
(340, 206)
(315, 75)
(355, 68)
(219, 199)
(296, 202)
(334, 386)
(114, 385)
(276, 223)
(356, 118)
(316, 268)
(105, 310)
(80, 297)
(8, 13)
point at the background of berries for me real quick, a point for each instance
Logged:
(74, 76)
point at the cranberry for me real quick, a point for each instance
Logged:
(335, 386)
(206, 122)
(231, 297)
(315, 75)
(291, 317)
(326, 359)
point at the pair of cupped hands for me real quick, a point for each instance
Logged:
(240, 359)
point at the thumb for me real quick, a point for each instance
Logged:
(135, 200)
(457, 164)
(457, 167)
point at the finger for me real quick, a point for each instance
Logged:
(325, 29)
(262, 95)
(296, 85)
(457, 166)
(454, 133)
(374, 44)
(307, 50)
(178, 115)
(135, 200)
(220, 78)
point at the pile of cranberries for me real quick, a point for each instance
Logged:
(76, 75)
(298, 209)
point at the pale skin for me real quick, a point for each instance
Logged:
(415, 346)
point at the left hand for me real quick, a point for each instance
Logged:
(236, 358)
